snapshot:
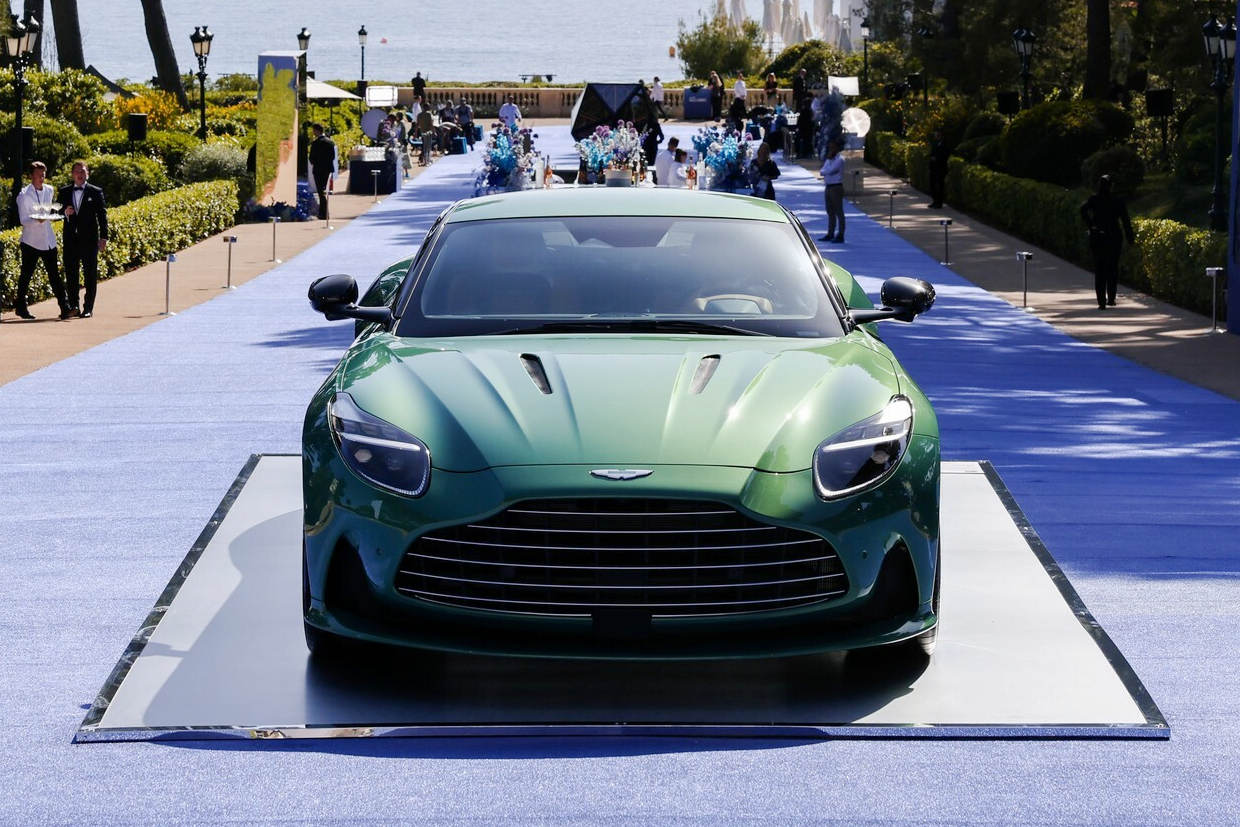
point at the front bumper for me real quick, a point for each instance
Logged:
(368, 530)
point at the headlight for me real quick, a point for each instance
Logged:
(864, 454)
(378, 451)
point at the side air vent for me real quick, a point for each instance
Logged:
(705, 370)
(534, 367)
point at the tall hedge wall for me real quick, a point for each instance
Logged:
(139, 232)
(1167, 262)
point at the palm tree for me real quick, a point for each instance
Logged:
(1097, 49)
(161, 49)
(68, 34)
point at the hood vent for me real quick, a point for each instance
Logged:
(534, 367)
(705, 370)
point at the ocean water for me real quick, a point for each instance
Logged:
(468, 40)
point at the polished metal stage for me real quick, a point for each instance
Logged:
(222, 655)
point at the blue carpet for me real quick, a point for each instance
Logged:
(116, 457)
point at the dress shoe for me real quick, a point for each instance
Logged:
(826, 238)
(1110, 302)
(86, 314)
(23, 313)
(67, 313)
(1102, 307)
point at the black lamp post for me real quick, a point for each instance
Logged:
(303, 43)
(201, 38)
(1220, 43)
(303, 39)
(865, 54)
(1022, 41)
(19, 46)
(361, 41)
(925, 33)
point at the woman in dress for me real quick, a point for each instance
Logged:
(715, 85)
(772, 88)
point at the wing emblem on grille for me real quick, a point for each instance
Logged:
(620, 474)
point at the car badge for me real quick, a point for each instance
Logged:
(620, 473)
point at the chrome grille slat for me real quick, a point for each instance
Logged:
(610, 587)
(767, 601)
(619, 548)
(618, 568)
(573, 557)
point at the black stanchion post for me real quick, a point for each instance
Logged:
(1024, 256)
(230, 240)
(945, 223)
(891, 209)
(275, 219)
(1214, 273)
(168, 285)
(374, 175)
(856, 182)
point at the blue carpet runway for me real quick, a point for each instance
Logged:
(115, 459)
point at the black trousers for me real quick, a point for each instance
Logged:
(1106, 249)
(835, 209)
(321, 177)
(31, 257)
(81, 263)
(938, 184)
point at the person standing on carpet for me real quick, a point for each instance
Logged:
(1106, 216)
(38, 242)
(85, 236)
(322, 164)
(833, 178)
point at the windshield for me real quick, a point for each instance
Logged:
(620, 274)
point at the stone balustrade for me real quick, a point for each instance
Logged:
(551, 102)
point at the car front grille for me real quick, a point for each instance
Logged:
(576, 557)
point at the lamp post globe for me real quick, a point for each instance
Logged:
(303, 39)
(201, 40)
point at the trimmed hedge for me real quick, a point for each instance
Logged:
(139, 232)
(124, 178)
(167, 147)
(1168, 260)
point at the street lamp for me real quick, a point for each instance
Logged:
(925, 33)
(1220, 43)
(865, 54)
(361, 41)
(18, 46)
(303, 39)
(1022, 41)
(201, 38)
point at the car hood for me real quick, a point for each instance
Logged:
(619, 401)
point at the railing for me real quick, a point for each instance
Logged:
(551, 102)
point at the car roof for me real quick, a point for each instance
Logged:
(618, 201)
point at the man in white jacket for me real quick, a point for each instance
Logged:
(38, 240)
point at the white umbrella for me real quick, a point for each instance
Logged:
(831, 31)
(787, 22)
(738, 12)
(822, 11)
(770, 17)
(807, 28)
(720, 9)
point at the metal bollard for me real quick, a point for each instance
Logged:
(327, 210)
(856, 173)
(230, 240)
(945, 223)
(168, 285)
(374, 175)
(1214, 273)
(275, 219)
(891, 209)
(1024, 256)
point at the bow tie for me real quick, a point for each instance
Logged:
(78, 189)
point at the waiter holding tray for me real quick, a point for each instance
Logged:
(36, 210)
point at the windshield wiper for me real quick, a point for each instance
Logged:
(631, 326)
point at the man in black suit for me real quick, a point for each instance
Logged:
(85, 235)
(322, 164)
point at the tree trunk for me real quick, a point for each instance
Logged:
(161, 49)
(34, 8)
(68, 34)
(1097, 50)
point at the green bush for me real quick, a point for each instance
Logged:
(885, 115)
(984, 124)
(718, 44)
(142, 231)
(1050, 141)
(166, 147)
(70, 95)
(948, 116)
(1166, 262)
(209, 162)
(1121, 162)
(55, 143)
(1193, 151)
(970, 148)
(818, 59)
(123, 178)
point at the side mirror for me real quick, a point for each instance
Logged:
(336, 298)
(903, 299)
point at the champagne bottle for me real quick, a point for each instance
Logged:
(547, 172)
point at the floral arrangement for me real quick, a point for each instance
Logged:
(608, 147)
(254, 211)
(507, 161)
(725, 152)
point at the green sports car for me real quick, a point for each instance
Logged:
(622, 424)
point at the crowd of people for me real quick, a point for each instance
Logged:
(82, 209)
